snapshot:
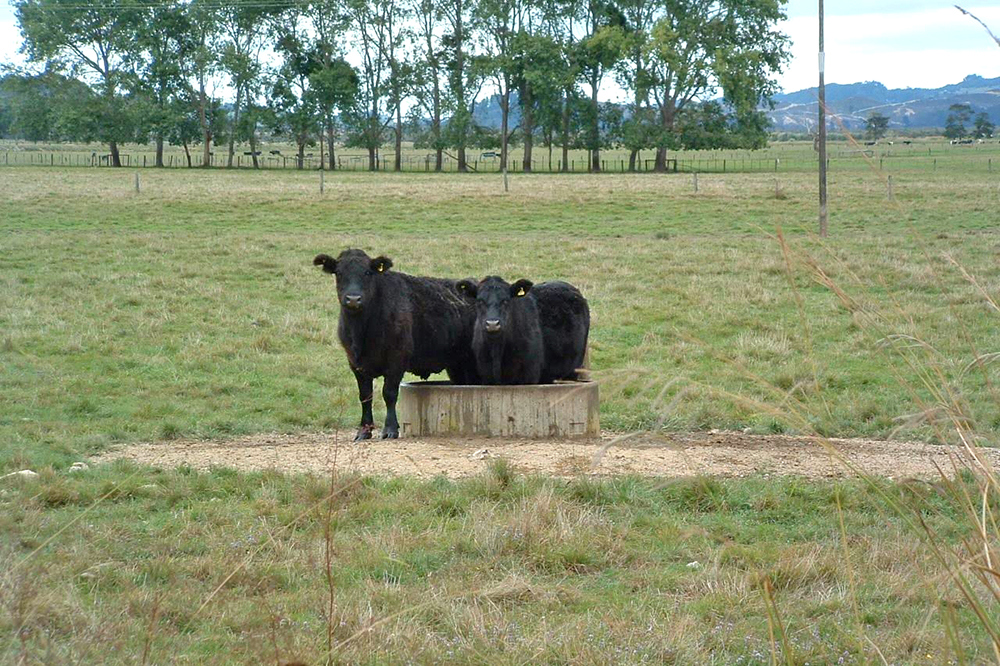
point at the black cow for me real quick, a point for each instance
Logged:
(565, 319)
(507, 341)
(391, 323)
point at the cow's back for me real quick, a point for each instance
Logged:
(565, 319)
(442, 327)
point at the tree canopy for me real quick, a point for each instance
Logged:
(189, 72)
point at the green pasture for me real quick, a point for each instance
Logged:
(190, 309)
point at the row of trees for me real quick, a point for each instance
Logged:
(877, 125)
(363, 72)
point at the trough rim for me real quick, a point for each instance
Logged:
(439, 384)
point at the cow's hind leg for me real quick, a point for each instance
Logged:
(366, 395)
(390, 391)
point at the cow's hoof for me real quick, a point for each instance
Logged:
(390, 433)
(365, 432)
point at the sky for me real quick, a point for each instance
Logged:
(901, 43)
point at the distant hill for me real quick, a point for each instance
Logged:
(905, 107)
(917, 108)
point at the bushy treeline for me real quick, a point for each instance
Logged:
(364, 73)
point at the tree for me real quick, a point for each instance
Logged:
(464, 79)
(335, 83)
(639, 129)
(958, 115)
(244, 25)
(984, 128)
(499, 22)
(204, 31)
(597, 54)
(41, 107)
(876, 126)
(167, 48)
(696, 48)
(95, 40)
(541, 77)
(428, 72)
(367, 120)
(292, 100)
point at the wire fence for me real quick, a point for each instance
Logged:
(489, 162)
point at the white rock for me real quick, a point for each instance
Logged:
(79, 467)
(480, 454)
(24, 474)
(694, 565)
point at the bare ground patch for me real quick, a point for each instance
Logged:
(727, 454)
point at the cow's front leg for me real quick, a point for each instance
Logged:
(390, 391)
(366, 395)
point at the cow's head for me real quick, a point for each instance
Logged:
(357, 276)
(493, 298)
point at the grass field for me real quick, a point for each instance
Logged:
(190, 309)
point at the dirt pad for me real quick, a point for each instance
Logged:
(729, 454)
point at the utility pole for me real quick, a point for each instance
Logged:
(822, 129)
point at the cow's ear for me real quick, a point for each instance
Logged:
(328, 263)
(521, 288)
(467, 288)
(381, 264)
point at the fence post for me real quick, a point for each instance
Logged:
(723, 166)
(321, 181)
(695, 174)
(889, 188)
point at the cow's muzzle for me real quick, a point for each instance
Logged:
(492, 325)
(352, 302)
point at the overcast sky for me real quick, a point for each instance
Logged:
(902, 43)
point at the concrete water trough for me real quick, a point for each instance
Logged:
(563, 409)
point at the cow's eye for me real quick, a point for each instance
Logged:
(369, 272)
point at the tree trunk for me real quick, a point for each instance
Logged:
(549, 141)
(667, 124)
(187, 153)
(159, 151)
(397, 164)
(301, 158)
(462, 165)
(206, 130)
(631, 160)
(565, 134)
(527, 125)
(504, 118)
(329, 144)
(372, 163)
(595, 139)
(436, 124)
(253, 146)
(236, 120)
(116, 159)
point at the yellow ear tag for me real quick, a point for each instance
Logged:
(521, 292)
(381, 268)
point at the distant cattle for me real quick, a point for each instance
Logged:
(391, 323)
(507, 340)
(961, 142)
(275, 152)
(249, 153)
(870, 143)
(906, 143)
